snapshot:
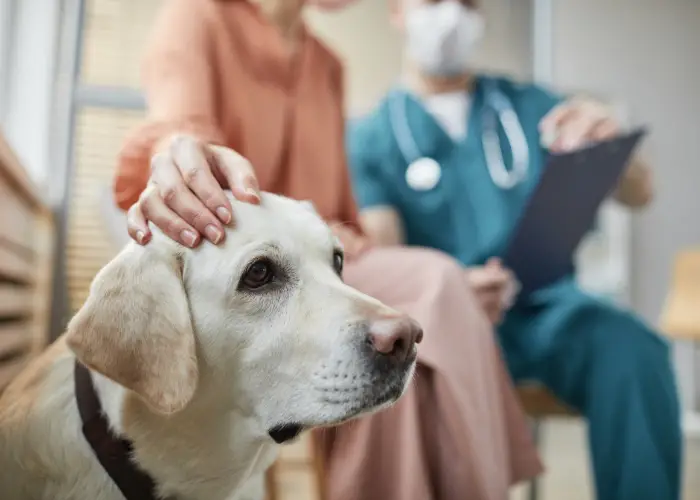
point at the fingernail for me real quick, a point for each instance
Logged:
(188, 237)
(213, 233)
(143, 238)
(224, 215)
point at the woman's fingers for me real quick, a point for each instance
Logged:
(190, 158)
(155, 210)
(490, 277)
(185, 197)
(137, 225)
(491, 304)
(177, 196)
(238, 172)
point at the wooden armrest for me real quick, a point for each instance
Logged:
(539, 402)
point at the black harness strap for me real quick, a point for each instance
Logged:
(112, 452)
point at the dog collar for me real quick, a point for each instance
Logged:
(113, 453)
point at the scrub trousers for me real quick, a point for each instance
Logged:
(615, 371)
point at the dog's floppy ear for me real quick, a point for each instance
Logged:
(135, 327)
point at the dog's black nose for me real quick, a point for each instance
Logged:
(395, 337)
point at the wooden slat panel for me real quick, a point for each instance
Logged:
(15, 339)
(16, 222)
(16, 177)
(15, 301)
(15, 265)
(26, 265)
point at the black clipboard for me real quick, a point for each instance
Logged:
(562, 210)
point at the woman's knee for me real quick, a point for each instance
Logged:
(444, 285)
(436, 264)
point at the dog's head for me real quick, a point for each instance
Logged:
(263, 323)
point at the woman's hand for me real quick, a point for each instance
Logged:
(494, 287)
(354, 244)
(185, 194)
(577, 122)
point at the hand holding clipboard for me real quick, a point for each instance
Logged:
(562, 209)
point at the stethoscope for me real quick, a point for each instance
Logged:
(424, 173)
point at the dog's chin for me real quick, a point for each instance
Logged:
(287, 432)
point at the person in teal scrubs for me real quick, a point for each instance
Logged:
(601, 360)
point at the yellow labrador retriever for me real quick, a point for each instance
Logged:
(202, 360)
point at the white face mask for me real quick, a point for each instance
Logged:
(442, 37)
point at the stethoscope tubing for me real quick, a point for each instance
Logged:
(498, 109)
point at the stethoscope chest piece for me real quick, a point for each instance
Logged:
(423, 174)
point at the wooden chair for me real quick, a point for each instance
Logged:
(680, 318)
(298, 473)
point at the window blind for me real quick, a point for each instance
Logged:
(115, 33)
(98, 136)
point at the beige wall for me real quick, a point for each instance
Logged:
(371, 49)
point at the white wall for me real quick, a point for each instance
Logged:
(647, 53)
(6, 36)
(30, 84)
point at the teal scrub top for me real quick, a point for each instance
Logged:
(466, 215)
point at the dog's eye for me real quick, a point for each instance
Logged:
(258, 274)
(338, 260)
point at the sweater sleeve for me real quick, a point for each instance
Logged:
(178, 79)
(348, 206)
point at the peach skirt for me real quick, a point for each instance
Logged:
(459, 432)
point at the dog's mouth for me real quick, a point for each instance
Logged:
(286, 432)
